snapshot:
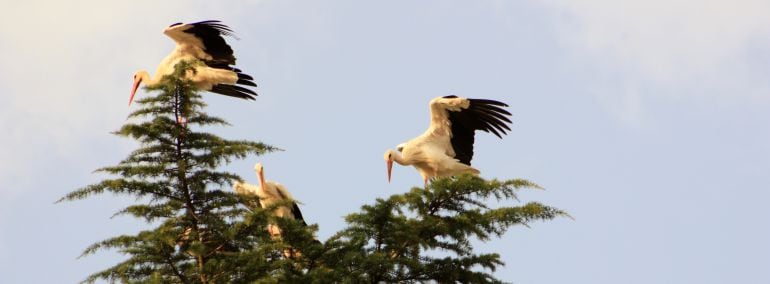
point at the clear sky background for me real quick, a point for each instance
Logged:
(646, 120)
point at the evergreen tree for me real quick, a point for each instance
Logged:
(175, 172)
(207, 234)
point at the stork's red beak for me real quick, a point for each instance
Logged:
(390, 167)
(137, 81)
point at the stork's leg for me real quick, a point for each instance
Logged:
(182, 121)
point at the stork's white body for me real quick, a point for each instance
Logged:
(203, 78)
(433, 153)
(269, 194)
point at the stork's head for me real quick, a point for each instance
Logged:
(139, 76)
(258, 167)
(389, 161)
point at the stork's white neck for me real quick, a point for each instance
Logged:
(261, 175)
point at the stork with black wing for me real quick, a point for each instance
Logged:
(202, 42)
(446, 148)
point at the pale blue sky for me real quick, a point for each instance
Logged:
(646, 120)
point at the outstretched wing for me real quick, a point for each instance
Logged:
(205, 41)
(211, 33)
(481, 114)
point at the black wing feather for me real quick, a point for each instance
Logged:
(297, 214)
(494, 111)
(246, 80)
(233, 91)
(210, 33)
(485, 102)
(481, 114)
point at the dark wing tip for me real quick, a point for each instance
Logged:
(216, 25)
(481, 114)
(234, 91)
(246, 80)
(297, 213)
(488, 102)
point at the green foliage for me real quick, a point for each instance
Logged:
(399, 239)
(203, 233)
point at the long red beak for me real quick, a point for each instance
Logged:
(137, 81)
(390, 167)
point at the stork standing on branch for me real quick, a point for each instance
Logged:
(446, 148)
(202, 43)
(270, 193)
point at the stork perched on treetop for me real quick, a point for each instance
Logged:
(203, 43)
(270, 193)
(446, 148)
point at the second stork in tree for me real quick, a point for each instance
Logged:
(446, 148)
(271, 193)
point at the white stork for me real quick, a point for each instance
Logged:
(270, 193)
(203, 42)
(446, 148)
